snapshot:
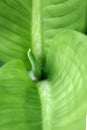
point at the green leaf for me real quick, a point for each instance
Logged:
(33, 24)
(20, 107)
(58, 102)
(15, 26)
(66, 68)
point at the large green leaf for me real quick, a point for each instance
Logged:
(36, 22)
(66, 69)
(58, 102)
(20, 107)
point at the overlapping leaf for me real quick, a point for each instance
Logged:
(20, 107)
(67, 73)
(60, 101)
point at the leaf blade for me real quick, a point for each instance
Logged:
(66, 72)
(20, 107)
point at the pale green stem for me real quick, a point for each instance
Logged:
(37, 30)
(34, 64)
(47, 104)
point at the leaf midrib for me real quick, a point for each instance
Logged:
(46, 99)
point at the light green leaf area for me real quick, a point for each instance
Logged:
(20, 107)
(58, 102)
(67, 74)
(15, 26)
